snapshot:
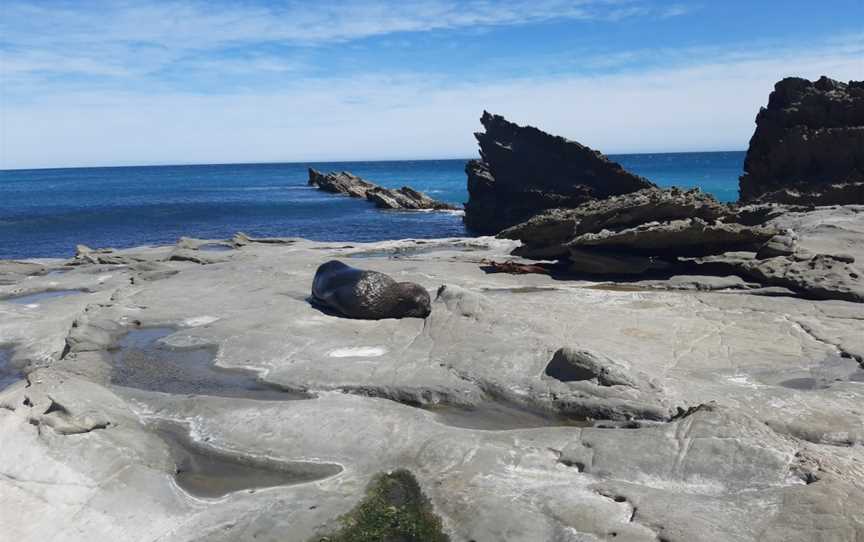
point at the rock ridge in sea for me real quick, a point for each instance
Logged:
(405, 198)
(808, 147)
(523, 171)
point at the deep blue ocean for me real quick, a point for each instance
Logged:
(46, 212)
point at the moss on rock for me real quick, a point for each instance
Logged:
(394, 510)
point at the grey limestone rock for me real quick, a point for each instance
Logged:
(598, 387)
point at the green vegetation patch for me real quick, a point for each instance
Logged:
(394, 510)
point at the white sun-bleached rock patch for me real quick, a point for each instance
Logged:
(199, 321)
(358, 352)
(742, 380)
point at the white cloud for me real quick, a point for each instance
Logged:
(200, 24)
(706, 105)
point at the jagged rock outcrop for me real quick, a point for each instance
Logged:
(808, 147)
(351, 185)
(523, 171)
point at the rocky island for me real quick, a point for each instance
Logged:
(686, 370)
(348, 184)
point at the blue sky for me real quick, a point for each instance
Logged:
(187, 81)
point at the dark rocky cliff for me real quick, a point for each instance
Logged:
(808, 146)
(523, 171)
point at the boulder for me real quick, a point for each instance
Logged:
(523, 171)
(809, 138)
(780, 245)
(405, 198)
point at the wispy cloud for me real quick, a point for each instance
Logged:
(109, 42)
(198, 24)
(708, 104)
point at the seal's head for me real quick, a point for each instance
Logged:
(413, 301)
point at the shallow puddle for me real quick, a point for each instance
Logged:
(495, 416)
(616, 287)
(141, 360)
(209, 473)
(519, 290)
(404, 252)
(215, 247)
(833, 370)
(8, 375)
(806, 384)
(30, 299)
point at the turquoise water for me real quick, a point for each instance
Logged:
(45, 213)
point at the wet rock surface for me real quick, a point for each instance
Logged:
(210, 473)
(39, 297)
(143, 359)
(8, 373)
(523, 171)
(526, 407)
(405, 198)
(808, 148)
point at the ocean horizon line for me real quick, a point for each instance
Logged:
(312, 162)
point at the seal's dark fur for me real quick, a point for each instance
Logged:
(369, 295)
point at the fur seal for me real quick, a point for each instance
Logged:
(368, 295)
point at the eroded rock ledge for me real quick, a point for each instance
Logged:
(405, 198)
(645, 234)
